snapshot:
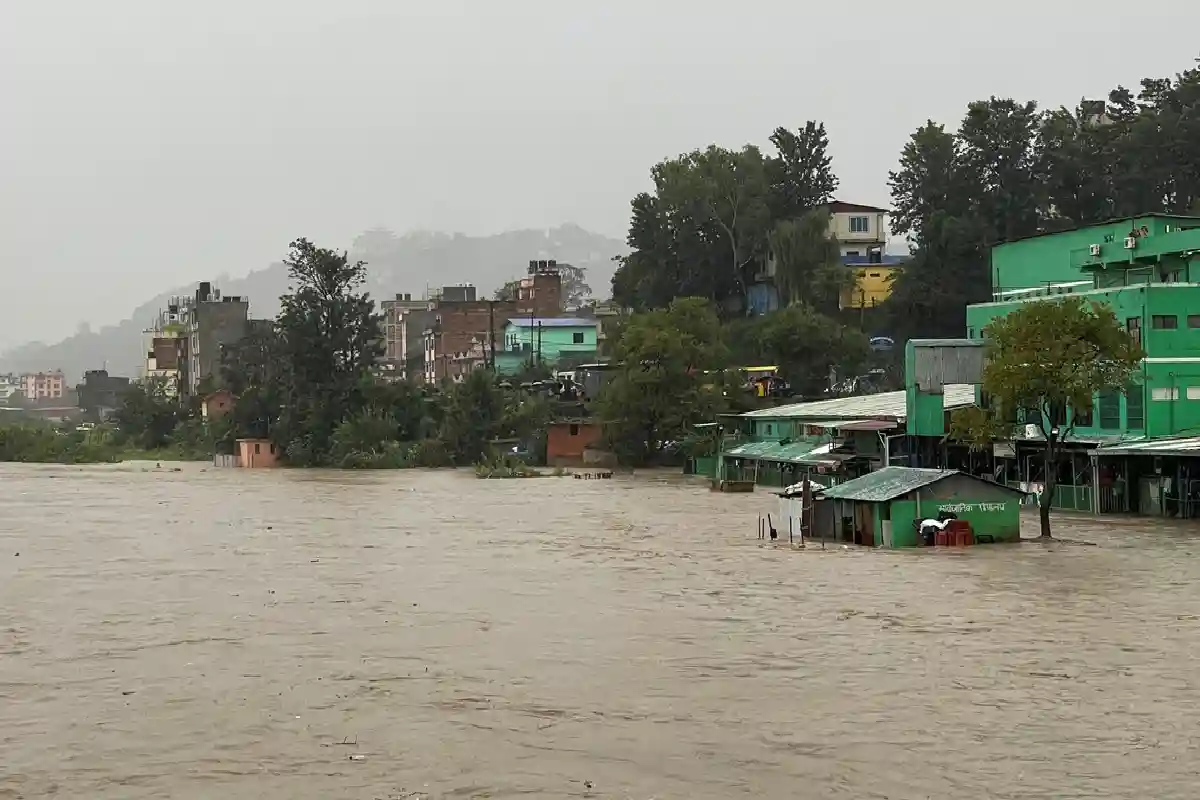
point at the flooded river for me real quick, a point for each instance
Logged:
(234, 634)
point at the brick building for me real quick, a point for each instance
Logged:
(462, 327)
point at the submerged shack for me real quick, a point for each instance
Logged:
(883, 508)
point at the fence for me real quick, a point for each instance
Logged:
(1066, 497)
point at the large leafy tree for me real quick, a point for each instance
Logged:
(1046, 361)
(661, 386)
(328, 341)
(705, 229)
(807, 261)
(147, 414)
(809, 347)
(1009, 171)
(801, 173)
(723, 191)
(930, 195)
(473, 416)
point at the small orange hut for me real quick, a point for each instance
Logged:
(257, 454)
(567, 439)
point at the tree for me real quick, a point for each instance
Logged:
(1048, 360)
(930, 195)
(801, 175)
(329, 338)
(998, 156)
(704, 230)
(148, 414)
(507, 292)
(250, 370)
(575, 289)
(474, 409)
(661, 387)
(808, 347)
(725, 190)
(808, 264)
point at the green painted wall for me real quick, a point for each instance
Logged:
(1000, 519)
(1172, 364)
(926, 413)
(991, 509)
(903, 532)
(557, 341)
(1066, 257)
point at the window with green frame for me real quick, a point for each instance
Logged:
(1110, 411)
(1135, 407)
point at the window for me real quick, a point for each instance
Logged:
(574, 430)
(1110, 411)
(860, 224)
(577, 337)
(1134, 326)
(1135, 407)
(257, 448)
(1083, 418)
(1193, 393)
(1164, 322)
(1194, 320)
(852, 253)
(1163, 393)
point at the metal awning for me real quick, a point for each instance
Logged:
(868, 425)
(797, 453)
(1173, 446)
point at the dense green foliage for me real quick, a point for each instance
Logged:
(1045, 363)
(38, 442)
(661, 388)
(719, 221)
(706, 229)
(1011, 171)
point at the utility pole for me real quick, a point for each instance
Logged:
(492, 331)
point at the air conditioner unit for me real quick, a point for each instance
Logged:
(1130, 242)
(1094, 250)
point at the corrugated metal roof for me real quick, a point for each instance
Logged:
(795, 453)
(886, 484)
(1174, 446)
(892, 482)
(552, 322)
(885, 405)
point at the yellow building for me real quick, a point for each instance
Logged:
(872, 284)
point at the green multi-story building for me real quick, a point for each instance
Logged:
(1137, 450)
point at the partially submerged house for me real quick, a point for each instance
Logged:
(884, 508)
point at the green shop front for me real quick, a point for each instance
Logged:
(783, 463)
(883, 508)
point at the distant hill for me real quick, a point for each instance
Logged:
(409, 263)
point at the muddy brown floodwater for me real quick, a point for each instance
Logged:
(285, 634)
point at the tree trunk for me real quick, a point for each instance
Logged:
(1049, 470)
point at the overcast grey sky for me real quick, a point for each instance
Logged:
(145, 144)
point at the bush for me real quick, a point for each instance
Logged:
(431, 453)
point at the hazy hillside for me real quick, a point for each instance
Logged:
(409, 263)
